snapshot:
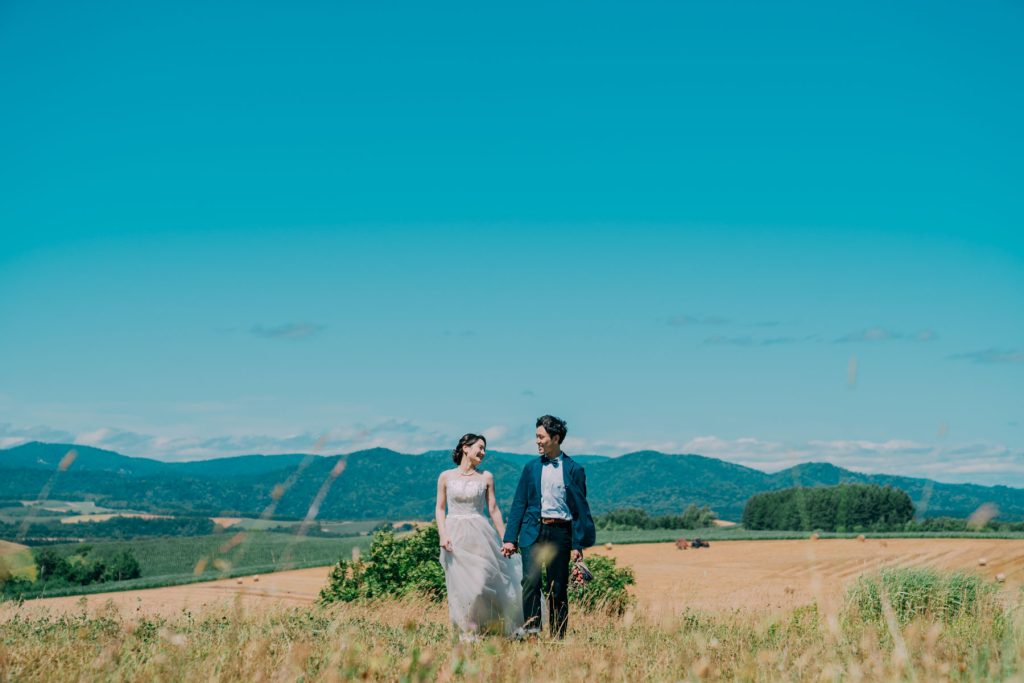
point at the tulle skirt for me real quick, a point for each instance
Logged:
(485, 592)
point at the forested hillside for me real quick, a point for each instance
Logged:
(379, 483)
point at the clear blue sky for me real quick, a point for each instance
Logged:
(765, 232)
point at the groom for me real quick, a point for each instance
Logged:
(551, 524)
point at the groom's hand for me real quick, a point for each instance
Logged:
(576, 555)
(508, 549)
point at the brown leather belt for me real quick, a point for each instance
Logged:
(555, 521)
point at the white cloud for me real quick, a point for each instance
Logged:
(495, 433)
(288, 331)
(686, 320)
(871, 334)
(14, 436)
(881, 334)
(748, 340)
(400, 435)
(993, 356)
(93, 438)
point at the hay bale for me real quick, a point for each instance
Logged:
(607, 546)
(860, 537)
(1000, 577)
(815, 537)
(982, 561)
(256, 579)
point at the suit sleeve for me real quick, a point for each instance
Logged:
(582, 533)
(515, 515)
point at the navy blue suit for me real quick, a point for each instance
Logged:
(544, 545)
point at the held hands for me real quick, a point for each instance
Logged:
(446, 543)
(508, 549)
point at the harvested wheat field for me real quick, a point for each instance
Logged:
(779, 575)
(734, 575)
(296, 587)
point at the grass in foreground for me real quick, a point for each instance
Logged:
(409, 640)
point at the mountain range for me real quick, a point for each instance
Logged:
(383, 484)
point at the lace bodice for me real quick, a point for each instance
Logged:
(466, 496)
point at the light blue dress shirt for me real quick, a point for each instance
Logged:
(552, 490)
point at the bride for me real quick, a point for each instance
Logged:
(484, 587)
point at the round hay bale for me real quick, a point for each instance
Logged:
(982, 561)
(607, 546)
(238, 581)
(1000, 577)
(860, 537)
(815, 537)
(256, 579)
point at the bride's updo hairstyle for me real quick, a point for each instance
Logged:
(466, 440)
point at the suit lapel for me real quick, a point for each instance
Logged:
(538, 469)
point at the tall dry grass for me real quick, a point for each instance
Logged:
(409, 640)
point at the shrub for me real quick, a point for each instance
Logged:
(393, 567)
(607, 592)
(15, 587)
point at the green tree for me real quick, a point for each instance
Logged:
(122, 567)
(830, 508)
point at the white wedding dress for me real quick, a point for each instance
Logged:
(485, 592)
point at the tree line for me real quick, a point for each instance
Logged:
(846, 507)
(81, 567)
(116, 528)
(693, 517)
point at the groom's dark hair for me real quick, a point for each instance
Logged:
(554, 427)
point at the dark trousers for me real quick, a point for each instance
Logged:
(551, 551)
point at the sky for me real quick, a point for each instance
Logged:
(765, 232)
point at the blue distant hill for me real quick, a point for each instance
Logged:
(380, 483)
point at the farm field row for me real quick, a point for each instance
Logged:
(179, 560)
(738, 533)
(750, 576)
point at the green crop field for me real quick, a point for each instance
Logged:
(256, 524)
(176, 560)
(336, 528)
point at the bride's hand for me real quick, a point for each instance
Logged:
(446, 543)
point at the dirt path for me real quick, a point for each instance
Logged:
(734, 575)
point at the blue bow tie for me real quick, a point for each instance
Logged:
(545, 461)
